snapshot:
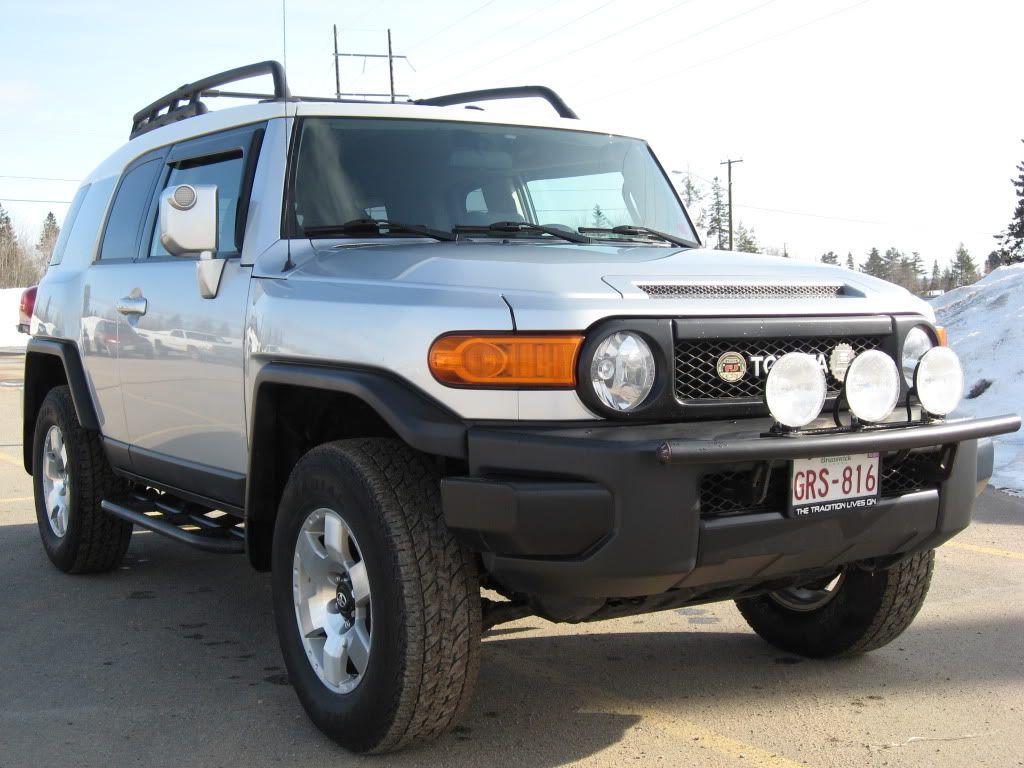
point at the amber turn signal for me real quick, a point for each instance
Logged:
(506, 360)
(941, 336)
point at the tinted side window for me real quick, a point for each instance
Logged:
(120, 240)
(69, 224)
(225, 171)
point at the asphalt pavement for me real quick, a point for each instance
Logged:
(173, 661)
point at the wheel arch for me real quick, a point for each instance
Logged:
(52, 363)
(297, 406)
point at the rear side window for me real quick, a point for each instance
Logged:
(225, 171)
(121, 238)
(69, 224)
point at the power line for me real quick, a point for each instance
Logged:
(463, 50)
(690, 36)
(870, 222)
(776, 36)
(24, 200)
(38, 178)
(535, 40)
(591, 44)
(458, 21)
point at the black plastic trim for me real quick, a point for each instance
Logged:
(809, 446)
(221, 486)
(74, 372)
(418, 419)
(493, 94)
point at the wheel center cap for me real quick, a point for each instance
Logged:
(344, 598)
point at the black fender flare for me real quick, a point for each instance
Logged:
(415, 417)
(38, 382)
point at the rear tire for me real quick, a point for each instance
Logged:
(70, 477)
(420, 598)
(868, 610)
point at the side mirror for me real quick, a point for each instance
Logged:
(189, 226)
(188, 219)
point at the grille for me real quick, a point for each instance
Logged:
(724, 493)
(696, 360)
(703, 291)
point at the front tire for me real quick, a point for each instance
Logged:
(377, 605)
(70, 477)
(868, 609)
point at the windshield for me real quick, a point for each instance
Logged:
(446, 175)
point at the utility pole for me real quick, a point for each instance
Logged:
(391, 56)
(391, 67)
(729, 163)
(337, 69)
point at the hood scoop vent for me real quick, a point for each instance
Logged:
(744, 292)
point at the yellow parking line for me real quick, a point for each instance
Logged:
(600, 700)
(986, 550)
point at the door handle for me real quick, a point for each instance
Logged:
(132, 305)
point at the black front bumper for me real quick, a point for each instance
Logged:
(614, 511)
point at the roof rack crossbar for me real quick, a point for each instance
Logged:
(514, 92)
(150, 117)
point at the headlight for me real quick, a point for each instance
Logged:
(939, 381)
(918, 342)
(795, 389)
(622, 371)
(872, 386)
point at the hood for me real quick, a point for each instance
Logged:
(584, 283)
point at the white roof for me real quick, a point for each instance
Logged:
(223, 119)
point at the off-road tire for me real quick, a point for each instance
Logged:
(425, 645)
(95, 541)
(870, 609)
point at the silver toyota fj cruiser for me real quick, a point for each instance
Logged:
(400, 353)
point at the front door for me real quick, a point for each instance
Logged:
(183, 382)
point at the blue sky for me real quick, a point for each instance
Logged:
(860, 122)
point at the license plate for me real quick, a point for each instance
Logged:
(833, 484)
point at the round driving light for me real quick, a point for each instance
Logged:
(872, 386)
(622, 371)
(914, 346)
(939, 381)
(795, 389)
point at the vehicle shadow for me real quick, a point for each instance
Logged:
(175, 657)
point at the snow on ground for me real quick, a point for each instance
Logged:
(9, 336)
(986, 328)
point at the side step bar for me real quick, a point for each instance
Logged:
(182, 521)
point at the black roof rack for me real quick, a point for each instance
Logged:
(185, 102)
(150, 117)
(514, 92)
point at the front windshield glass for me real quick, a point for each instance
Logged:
(444, 175)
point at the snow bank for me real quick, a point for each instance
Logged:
(986, 328)
(9, 336)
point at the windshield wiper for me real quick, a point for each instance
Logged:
(629, 229)
(379, 227)
(522, 226)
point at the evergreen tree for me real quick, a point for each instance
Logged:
(874, 265)
(829, 258)
(993, 262)
(1011, 241)
(891, 261)
(718, 217)
(692, 196)
(849, 260)
(600, 220)
(963, 271)
(936, 282)
(745, 240)
(947, 280)
(48, 237)
(7, 236)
